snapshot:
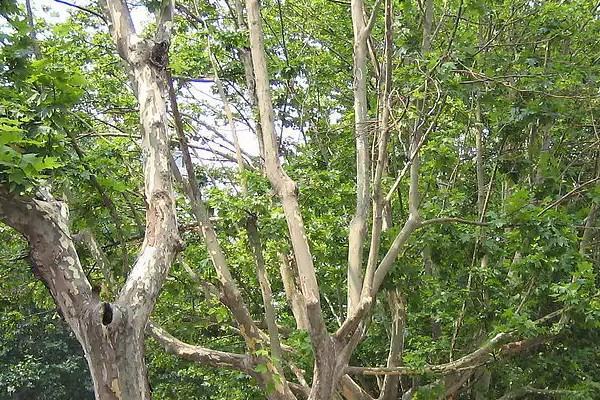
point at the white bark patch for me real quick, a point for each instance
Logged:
(72, 265)
(64, 212)
(67, 300)
(139, 270)
(134, 40)
(114, 386)
(64, 242)
(140, 275)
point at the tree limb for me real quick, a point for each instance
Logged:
(203, 355)
(527, 390)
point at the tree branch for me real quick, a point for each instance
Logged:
(472, 360)
(487, 352)
(568, 194)
(285, 187)
(450, 220)
(87, 10)
(120, 25)
(213, 358)
(526, 390)
(161, 241)
(43, 221)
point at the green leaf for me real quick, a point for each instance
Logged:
(260, 368)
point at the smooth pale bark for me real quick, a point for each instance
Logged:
(267, 295)
(382, 155)
(253, 235)
(286, 188)
(358, 224)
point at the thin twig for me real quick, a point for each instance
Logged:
(87, 10)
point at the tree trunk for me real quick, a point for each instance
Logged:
(112, 334)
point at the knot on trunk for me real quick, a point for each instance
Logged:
(110, 314)
(107, 313)
(159, 55)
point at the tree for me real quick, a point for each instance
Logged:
(474, 162)
(112, 334)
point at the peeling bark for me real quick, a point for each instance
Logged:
(112, 334)
(291, 285)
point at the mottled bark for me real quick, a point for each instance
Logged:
(291, 285)
(112, 334)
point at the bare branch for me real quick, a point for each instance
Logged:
(87, 10)
(472, 360)
(528, 390)
(358, 225)
(409, 227)
(371, 23)
(214, 358)
(450, 220)
(86, 238)
(285, 187)
(568, 194)
(231, 296)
